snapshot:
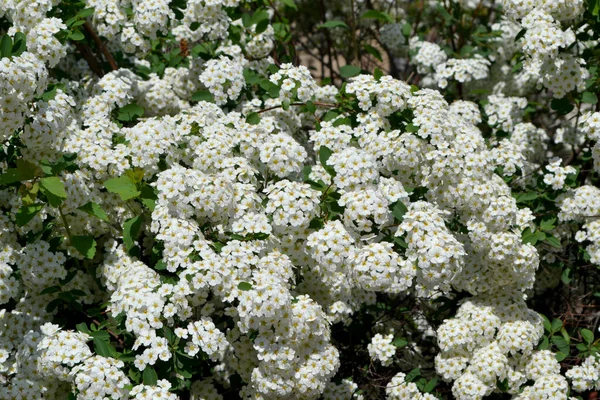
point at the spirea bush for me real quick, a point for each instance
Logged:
(190, 208)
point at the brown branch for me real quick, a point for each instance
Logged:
(101, 46)
(89, 57)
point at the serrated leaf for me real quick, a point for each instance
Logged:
(26, 213)
(131, 229)
(86, 245)
(123, 186)
(587, 335)
(148, 197)
(348, 71)
(333, 24)
(203, 95)
(552, 241)
(244, 286)
(94, 209)
(25, 171)
(544, 344)
(548, 224)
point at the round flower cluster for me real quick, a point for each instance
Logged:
(557, 173)
(427, 55)
(382, 349)
(100, 376)
(378, 268)
(391, 35)
(462, 70)
(587, 375)
(282, 155)
(294, 82)
(504, 112)
(492, 339)
(389, 94)
(60, 350)
(224, 79)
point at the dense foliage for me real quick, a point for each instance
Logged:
(188, 212)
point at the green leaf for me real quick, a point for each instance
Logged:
(588, 336)
(76, 36)
(431, 385)
(20, 44)
(54, 189)
(532, 237)
(377, 74)
(561, 344)
(129, 112)
(406, 29)
(25, 171)
(399, 210)
(51, 289)
(556, 325)
(348, 71)
(333, 24)
(589, 98)
(412, 375)
(548, 224)
(544, 344)
(566, 276)
(149, 376)
(372, 51)
(411, 127)
(525, 197)
(86, 12)
(262, 26)
(123, 186)
(520, 34)
(103, 348)
(253, 118)
(82, 327)
(290, 3)
(552, 241)
(26, 213)
(148, 197)
(560, 356)
(562, 106)
(378, 15)
(400, 342)
(203, 95)
(244, 286)
(324, 154)
(94, 209)
(86, 245)
(6, 46)
(131, 229)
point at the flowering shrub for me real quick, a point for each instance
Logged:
(187, 213)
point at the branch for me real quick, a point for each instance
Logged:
(89, 57)
(101, 45)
